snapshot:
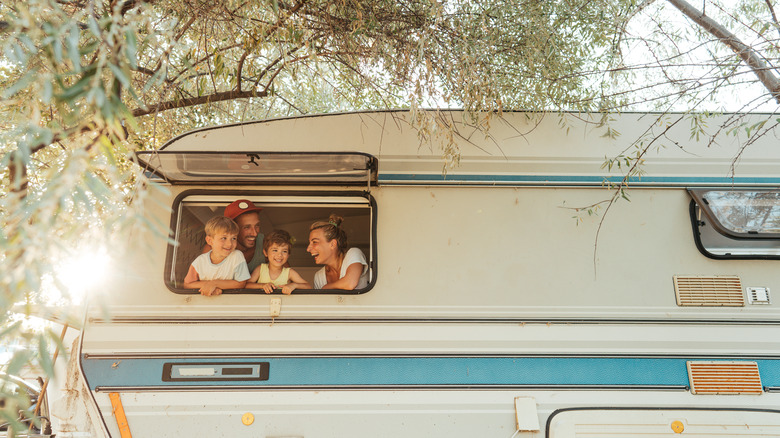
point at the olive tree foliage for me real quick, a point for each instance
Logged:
(687, 61)
(86, 83)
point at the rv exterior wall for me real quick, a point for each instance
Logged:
(485, 289)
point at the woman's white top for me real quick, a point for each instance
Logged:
(353, 255)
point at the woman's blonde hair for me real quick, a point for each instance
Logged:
(331, 228)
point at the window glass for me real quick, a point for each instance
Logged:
(293, 214)
(262, 167)
(746, 212)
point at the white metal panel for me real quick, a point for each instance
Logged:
(517, 144)
(423, 338)
(631, 423)
(317, 414)
(449, 252)
(475, 413)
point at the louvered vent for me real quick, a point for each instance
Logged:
(758, 295)
(724, 378)
(718, 290)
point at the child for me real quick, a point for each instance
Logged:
(221, 268)
(272, 275)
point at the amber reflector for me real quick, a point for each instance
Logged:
(724, 378)
(719, 290)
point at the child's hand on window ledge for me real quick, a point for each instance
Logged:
(210, 290)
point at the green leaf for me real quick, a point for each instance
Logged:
(56, 48)
(41, 135)
(107, 148)
(72, 47)
(44, 357)
(131, 49)
(20, 84)
(93, 26)
(98, 96)
(18, 360)
(120, 75)
(13, 328)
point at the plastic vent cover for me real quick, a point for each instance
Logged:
(758, 295)
(719, 290)
(724, 378)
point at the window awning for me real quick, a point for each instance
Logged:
(315, 168)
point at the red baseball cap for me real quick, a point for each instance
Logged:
(239, 207)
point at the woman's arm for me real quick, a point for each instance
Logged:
(350, 279)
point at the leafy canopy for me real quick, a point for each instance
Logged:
(85, 83)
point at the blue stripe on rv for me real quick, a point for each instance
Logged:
(420, 371)
(569, 179)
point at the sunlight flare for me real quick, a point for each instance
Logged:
(80, 274)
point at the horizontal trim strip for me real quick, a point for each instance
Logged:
(430, 320)
(421, 372)
(171, 357)
(388, 178)
(205, 388)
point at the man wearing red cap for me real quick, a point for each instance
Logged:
(245, 213)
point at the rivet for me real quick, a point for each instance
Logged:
(247, 419)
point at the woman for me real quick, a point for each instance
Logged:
(344, 269)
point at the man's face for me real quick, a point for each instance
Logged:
(248, 229)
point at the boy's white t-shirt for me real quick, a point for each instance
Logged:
(232, 268)
(353, 255)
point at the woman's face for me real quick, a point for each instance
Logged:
(320, 247)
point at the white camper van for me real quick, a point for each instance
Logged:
(492, 309)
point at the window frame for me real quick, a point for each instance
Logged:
(249, 194)
(699, 205)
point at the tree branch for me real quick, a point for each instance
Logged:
(265, 32)
(774, 16)
(183, 103)
(747, 54)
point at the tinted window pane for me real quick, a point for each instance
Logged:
(293, 214)
(746, 212)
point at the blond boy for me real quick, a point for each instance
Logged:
(221, 268)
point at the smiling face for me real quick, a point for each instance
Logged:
(248, 229)
(222, 244)
(323, 250)
(277, 254)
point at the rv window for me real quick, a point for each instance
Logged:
(737, 223)
(293, 213)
